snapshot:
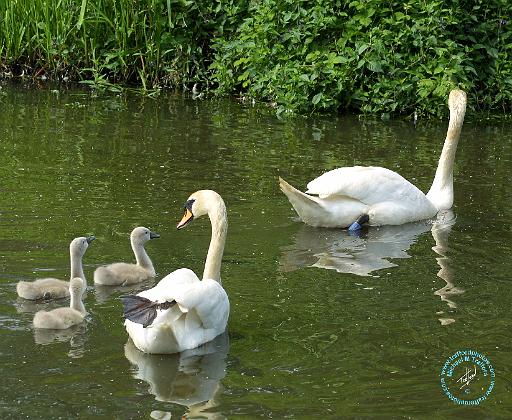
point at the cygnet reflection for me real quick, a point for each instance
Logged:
(441, 230)
(191, 378)
(346, 252)
(75, 335)
(24, 306)
(103, 293)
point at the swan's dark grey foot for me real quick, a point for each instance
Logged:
(141, 310)
(358, 224)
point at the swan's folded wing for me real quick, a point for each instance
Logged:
(368, 184)
(208, 299)
(171, 284)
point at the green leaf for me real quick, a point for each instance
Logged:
(317, 98)
(82, 13)
(439, 69)
(362, 48)
(375, 66)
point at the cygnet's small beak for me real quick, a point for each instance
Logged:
(153, 235)
(187, 217)
(89, 239)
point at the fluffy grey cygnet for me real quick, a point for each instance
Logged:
(63, 318)
(125, 274)
(51, 288)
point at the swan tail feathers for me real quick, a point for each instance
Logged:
(141, 310)
(42, 320)
(27, 290)
(297, 197)
(102, 276)
(306, 206)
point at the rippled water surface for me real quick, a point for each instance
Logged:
(323, 324)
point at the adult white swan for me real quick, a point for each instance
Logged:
(182, 312)
(352, 196)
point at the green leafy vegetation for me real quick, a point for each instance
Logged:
(368, 56)
(147, 43)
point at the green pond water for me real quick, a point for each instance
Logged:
(323, 324)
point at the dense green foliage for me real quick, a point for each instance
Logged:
(374, 56)
(151, 43)
(370, 56)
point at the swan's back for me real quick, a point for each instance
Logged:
(206, 297)
(48, 288)
(171, 284)
(201, 313)
(368, 184)
(58, 319)
(121, 273)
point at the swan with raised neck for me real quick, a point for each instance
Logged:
(441, 191)
(183, 312)
(349, 197)
(209, 202)
(63, 318)
(51, 288)
(125, 274)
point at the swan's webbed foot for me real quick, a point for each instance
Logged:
(141, 310)
(358, 224)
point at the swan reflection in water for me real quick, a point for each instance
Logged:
(104, 293)
(358, 253)
(374, 249)
(441, 231)
(190, 378)
(76, 335)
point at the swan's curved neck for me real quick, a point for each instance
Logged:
(441, 191)
(76, 266)
(219, 223)
(76, 302)
(142, 256)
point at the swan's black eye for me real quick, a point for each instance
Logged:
(188, 205)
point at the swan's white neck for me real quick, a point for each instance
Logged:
(142, 256)
(441, 191)
(76, 301)
(218, 219)
(76, 265)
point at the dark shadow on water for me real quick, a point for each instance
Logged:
(190, 378)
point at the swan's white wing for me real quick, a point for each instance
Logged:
(206, 297)
(368, 184)
(200, 315)
(171, 284)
